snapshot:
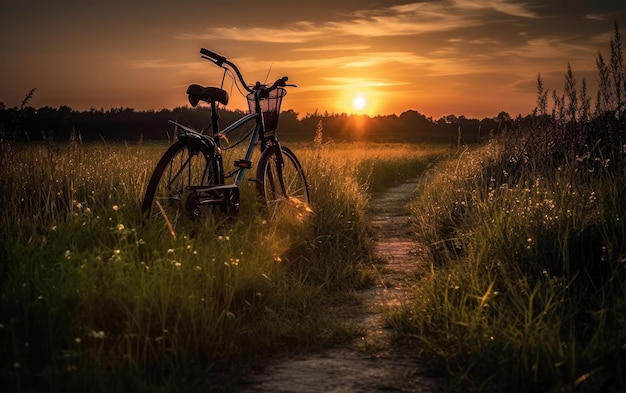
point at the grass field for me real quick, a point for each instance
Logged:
(526, 287)
(524, 292)
(92, 298)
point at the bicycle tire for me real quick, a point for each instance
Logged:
(186, 163)
(283, 189)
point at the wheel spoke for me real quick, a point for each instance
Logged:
(169, 196)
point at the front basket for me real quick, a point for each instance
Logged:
(270, 107)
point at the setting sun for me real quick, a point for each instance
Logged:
(359, 102)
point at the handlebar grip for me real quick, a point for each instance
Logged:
(280, 82)
(217, 59)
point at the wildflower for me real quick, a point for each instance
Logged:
(116, 208)
(120, 227)
(97, 334)
(77, 340)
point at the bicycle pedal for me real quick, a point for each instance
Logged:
(243, 164)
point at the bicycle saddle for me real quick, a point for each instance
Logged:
(199, 93)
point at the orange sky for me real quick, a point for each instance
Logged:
(463, 57)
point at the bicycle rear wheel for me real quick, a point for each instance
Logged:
(282, 184)
(171, 193)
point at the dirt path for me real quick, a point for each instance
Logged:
(369, 364)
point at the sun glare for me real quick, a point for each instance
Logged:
(358, 102)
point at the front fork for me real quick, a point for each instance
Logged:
(280, 163)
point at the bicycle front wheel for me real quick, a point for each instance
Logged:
(170, 195)
(282, 184)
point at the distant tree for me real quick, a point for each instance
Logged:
(504, 117)
(449, 119)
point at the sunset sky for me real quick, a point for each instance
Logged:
(463, 57)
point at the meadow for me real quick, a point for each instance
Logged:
(525, 291)
(93, 298)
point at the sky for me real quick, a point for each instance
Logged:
(465, 57)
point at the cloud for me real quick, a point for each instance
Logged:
(361, 82)
(399, 20)
(298, 32)
(597, 16)
(502, 6)
(331, 48)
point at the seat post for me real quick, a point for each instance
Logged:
(215, 119)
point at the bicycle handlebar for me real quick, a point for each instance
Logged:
(214, 57)
(221, 61)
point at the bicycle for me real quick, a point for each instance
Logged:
(189, 181)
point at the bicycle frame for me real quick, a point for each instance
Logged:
(255, 135)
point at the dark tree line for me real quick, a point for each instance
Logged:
(26, 123)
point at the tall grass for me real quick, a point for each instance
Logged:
(526, 288)
(92, 298)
